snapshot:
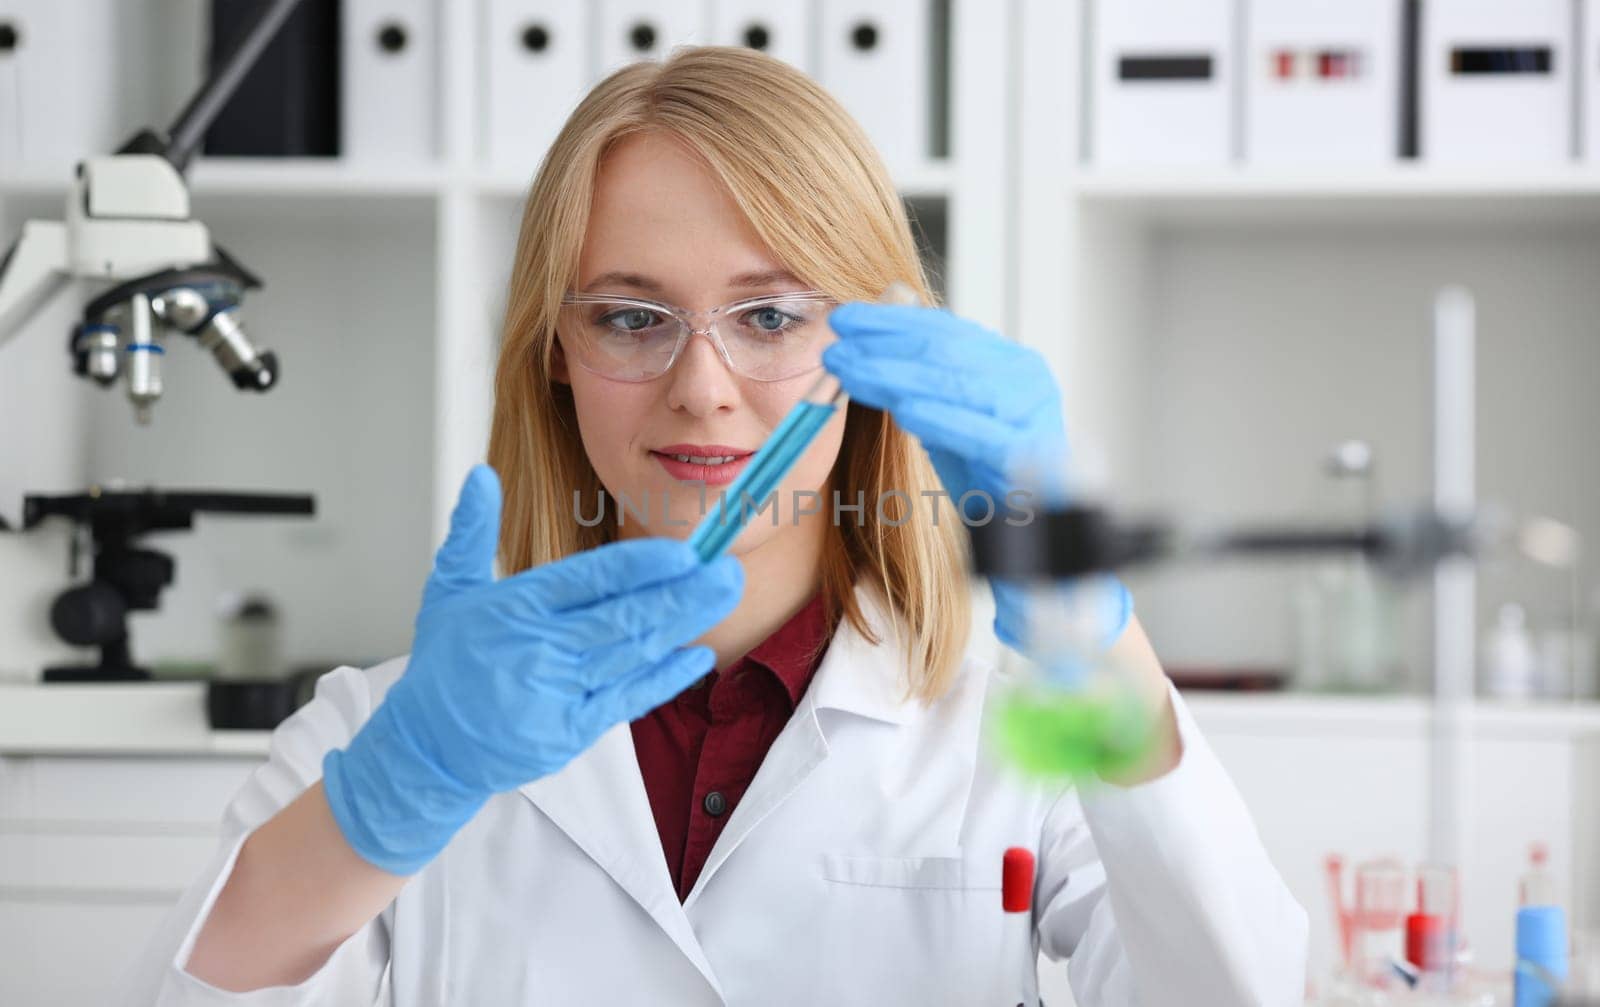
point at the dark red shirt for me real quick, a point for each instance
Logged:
(699, 752)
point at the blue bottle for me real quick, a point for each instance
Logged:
(1541, 939)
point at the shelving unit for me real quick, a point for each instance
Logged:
(1217, 329)
(384, 291)
(1391, 194)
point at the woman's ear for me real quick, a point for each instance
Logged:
(558, 365)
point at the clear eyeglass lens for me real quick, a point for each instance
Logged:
(766, 340)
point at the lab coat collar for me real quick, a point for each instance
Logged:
(598, 799)
(857, 676)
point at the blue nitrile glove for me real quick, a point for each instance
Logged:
(510, 679)
(987, 410)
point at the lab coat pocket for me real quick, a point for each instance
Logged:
(919, 930)
(894, 872)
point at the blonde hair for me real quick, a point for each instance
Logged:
(818, 195)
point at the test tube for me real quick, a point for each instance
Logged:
(716, 532)
(765, 472)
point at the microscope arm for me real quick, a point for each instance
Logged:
(32, 272)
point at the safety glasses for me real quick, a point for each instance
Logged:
(766, 338)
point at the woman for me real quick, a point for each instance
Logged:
(555, 798)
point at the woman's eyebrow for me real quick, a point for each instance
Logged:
(762, 278)
(623, 279)
(753, 280)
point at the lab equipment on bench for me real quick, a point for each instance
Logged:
(1395, 952)
(1432, 928)
(1541, 935)
(1370, 922)
(765, 470)
(1346, 633)
(127, 578)
(127, 223)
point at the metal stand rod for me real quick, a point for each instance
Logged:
(186, 133)
(1454, 584)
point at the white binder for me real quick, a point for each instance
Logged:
(1163, 82)
(59, 94)
(536, 59)
(875, 57)
(1588, 70)
(778, 29)
(1496, 81)
(389, 88)
(632, 30)
(1322, 81)
(12, 34)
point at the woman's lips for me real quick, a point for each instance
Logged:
(711, 475)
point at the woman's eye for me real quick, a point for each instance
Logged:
(631, 319)
(770, 319)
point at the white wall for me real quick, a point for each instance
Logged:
(1266, 346)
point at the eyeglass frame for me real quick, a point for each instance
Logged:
(687, 320)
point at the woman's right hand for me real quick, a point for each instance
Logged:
(509, 680)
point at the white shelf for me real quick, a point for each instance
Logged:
(1301, 714)
(932, 179)
(324, 178)
(260, 177)
(1392, 192)
(138, 718)
(272, 177)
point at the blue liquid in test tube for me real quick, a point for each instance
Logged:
(717, 530)
(761, 477)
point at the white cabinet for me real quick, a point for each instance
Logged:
(94, 851)
(1351, 776)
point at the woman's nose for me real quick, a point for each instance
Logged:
(700, 381)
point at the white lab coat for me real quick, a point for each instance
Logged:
(862, 866)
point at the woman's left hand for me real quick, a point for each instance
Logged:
(988, 411)
(986, 408)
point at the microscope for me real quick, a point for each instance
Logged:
(127, 230)
(127, 223)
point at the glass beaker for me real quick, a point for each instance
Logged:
(1068, 709)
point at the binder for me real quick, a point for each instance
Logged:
(1163, 82)
(1497, 81)
(632, 30)
(60, 98)
(1322, 81)
(12, 32)
(536, 60)
(1587, 67)
(389, 100)
(875, 56)
(782, 30)
(287, 104)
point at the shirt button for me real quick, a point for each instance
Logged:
(715, 804)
